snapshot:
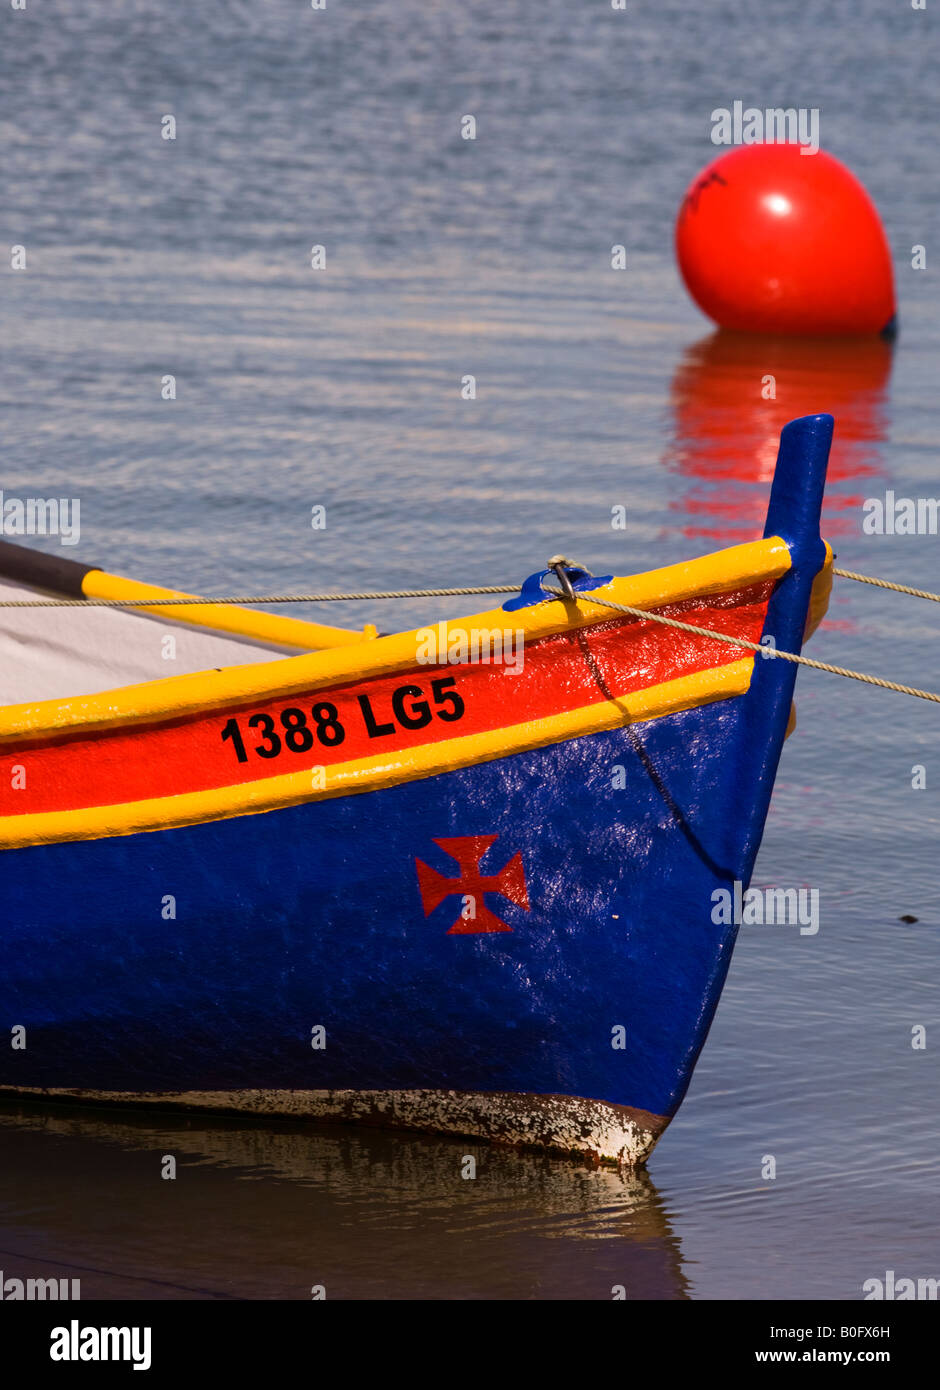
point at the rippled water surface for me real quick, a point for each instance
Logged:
(595, 388)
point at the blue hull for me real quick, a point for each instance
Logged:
(312, 916)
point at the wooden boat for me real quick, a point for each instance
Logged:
(400, 879)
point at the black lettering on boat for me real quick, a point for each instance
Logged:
(457, 708)
(373, 728)
(298, 736)
(410, 709)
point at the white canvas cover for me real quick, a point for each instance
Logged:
(52, 653)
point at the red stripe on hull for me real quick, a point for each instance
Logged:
(559, 673)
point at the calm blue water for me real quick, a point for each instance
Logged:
(594, 388)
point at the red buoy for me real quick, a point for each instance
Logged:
(772, 240)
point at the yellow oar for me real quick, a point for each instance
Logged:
(74, 580)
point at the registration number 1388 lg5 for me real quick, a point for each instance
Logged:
(409, 707)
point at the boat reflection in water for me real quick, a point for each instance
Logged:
(272, 1211)
(732, 393)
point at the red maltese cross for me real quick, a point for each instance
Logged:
(471, 884)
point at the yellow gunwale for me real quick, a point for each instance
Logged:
(176, 696)
(373, 773)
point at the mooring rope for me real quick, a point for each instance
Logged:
(886, 584)
(252, 598)
(353, 597)
(768, 652)
(644, 613)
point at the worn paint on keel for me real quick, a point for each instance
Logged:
(592, 1131)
